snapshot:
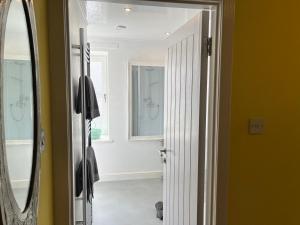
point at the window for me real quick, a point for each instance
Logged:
(146, 84)
(99, 75)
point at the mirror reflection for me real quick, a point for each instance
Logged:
(18, 102)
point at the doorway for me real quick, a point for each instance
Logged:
(130, 48)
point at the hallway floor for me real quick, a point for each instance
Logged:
(127, 202)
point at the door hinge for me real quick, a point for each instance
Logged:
(209, 46)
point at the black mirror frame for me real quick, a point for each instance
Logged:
(11, 214)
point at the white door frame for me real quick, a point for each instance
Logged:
(59, 67)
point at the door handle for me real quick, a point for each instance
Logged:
(163, 155)
(163, 151)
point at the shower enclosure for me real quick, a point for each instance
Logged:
(147, 101)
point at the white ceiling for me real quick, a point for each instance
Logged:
(143, 22)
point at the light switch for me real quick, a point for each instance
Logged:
(256, 126)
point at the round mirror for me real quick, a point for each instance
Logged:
(18, 101)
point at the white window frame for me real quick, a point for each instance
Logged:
(130, 116)
(102, 56)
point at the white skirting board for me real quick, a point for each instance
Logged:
(19, 184)
(130, 176)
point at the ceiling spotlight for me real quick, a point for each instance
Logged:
(121, 27)
(127, 9)
(168, 34)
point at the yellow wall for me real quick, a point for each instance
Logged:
(264, 186)
(46, 197)
(265, 170)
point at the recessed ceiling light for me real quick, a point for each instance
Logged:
(127, 9)
(121, 27)
(168, 34)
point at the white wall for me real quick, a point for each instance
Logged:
(19, 160)
(123, 159)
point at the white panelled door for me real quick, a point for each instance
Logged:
(185, 123)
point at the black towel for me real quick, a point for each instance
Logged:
(91, 104)
(91, 173)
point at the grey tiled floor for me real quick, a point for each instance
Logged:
(127, 202)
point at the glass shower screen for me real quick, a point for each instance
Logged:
(147, 101)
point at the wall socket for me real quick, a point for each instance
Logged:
(256, 126)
